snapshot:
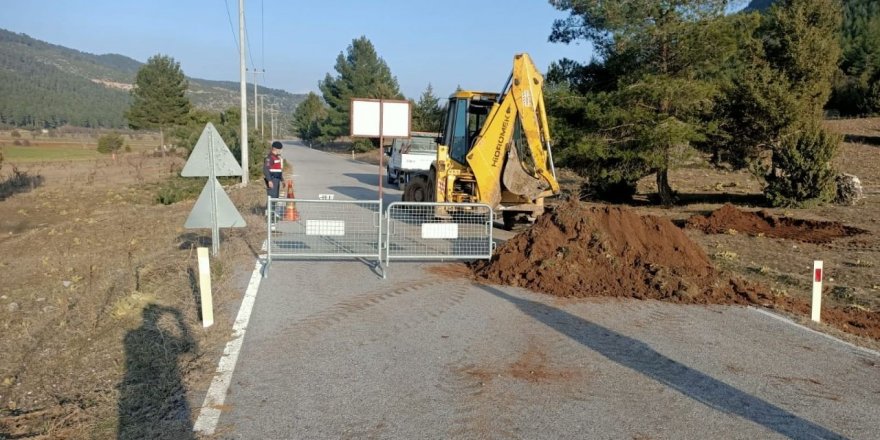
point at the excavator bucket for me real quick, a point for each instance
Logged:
(519, 181)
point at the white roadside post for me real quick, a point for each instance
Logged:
(205, 287)
(817, 290)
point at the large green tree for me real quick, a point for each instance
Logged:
(159, 98)
(308, 117)
(427, 112)
(795, 32)
(360, 73)
(776, 98)
(659, 63)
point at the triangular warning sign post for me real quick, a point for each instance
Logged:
(209, 149)
(227, 215)
(211, 157)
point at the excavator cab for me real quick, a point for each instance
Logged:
(465, 116)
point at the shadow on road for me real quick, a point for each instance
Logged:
(152, 401)
(360, 193)
(371, 179)
(640, 357)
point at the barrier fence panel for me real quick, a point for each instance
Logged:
(324, 229)
(438, 231)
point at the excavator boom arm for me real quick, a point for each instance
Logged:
(518, 117)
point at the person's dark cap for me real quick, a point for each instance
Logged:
(277, 145)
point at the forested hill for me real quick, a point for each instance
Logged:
(46, 85)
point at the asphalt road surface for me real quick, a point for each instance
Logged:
(334, 351)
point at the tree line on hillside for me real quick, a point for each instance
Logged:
(35, 95)
(43, 85)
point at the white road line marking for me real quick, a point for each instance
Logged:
(788, 321)
(211, 408)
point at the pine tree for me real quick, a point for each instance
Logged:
(308, 117)
(361, 73)
(796, 31)
(159, 98)
(802, 40)
(427, 112)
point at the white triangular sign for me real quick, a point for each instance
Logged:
(227, 215)
(199, 162)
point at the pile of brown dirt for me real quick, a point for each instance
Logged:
(579, 251)
(729, 218)
(605, 251)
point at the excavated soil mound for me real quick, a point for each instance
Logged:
(606, 251)
(728, 218)
(578, 251)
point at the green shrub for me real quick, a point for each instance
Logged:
(110, 143)
(362, 145)
(177, 189)
(801, 173)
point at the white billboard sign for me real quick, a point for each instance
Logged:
(375, 118)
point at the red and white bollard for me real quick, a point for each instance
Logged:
(817, 289)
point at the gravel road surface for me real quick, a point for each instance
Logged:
(334, 351)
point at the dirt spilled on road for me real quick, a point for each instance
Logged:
(580, 251)
(729, 219)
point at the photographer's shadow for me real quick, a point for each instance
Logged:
(152, 400)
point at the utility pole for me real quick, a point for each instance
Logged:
(256, 111)
(244, 124)
(272, 115)
(262, 116)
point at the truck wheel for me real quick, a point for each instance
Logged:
(417, 190)
(391, 179)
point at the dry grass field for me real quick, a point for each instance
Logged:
(98, 304)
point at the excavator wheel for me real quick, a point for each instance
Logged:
(509, 219)
(516, 221)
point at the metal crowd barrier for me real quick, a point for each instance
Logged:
(324, 229)
(306, 229)
(438, 231)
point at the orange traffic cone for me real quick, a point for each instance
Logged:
(290, 213)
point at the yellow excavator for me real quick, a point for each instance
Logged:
(493, 149)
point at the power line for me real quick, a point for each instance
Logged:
(262, 36)
(248, 40)
(231, 27)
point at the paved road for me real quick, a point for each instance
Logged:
(333, 351)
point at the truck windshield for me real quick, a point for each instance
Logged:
(422, 145)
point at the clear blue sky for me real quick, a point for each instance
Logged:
(447, 43)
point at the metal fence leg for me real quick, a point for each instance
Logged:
(268, 237)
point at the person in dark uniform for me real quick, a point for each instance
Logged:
(272, 169)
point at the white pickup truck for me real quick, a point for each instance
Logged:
(411, 156)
